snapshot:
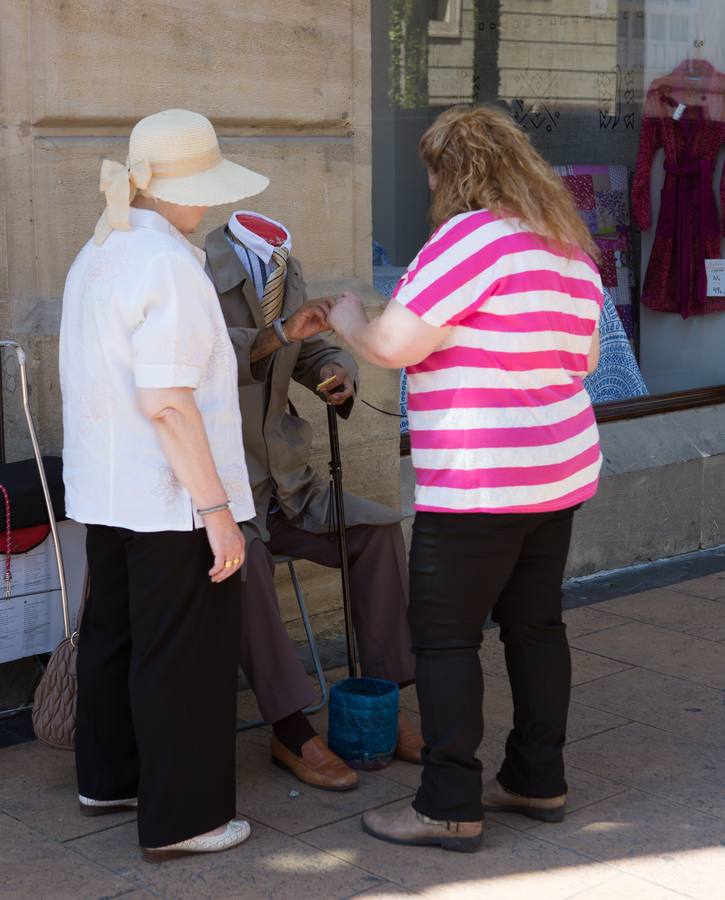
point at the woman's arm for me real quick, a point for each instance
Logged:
(594, 352)
(396, 339)
(180, 430)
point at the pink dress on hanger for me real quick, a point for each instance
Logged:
(688, 228)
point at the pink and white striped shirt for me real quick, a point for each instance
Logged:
(500, 421)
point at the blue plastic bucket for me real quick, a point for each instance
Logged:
(363, 718)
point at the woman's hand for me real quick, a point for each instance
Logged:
(227, 544)
(347, 313)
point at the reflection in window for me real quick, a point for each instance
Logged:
(658, 27)
(576, 82)
(440, 10)
(679, 28)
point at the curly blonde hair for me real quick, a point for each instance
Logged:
(483, 160)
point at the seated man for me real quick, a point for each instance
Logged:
(276, 334)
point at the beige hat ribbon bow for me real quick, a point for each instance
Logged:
(120, 183)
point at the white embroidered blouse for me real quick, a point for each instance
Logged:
(140, 312)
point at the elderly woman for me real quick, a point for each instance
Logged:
(496, 322)
(154, 466)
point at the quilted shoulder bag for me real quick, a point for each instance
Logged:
(54, 706)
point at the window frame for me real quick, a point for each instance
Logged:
(450, 27)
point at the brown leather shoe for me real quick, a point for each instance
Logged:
(318, 766)
(497, 799)
(410, 741)
(407, 826)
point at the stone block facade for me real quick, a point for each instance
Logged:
(287, 85)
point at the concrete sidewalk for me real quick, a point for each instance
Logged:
(646, 767)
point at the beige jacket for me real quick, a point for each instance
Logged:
(277, 442)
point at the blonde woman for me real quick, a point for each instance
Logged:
(154, 466)
(496, 321)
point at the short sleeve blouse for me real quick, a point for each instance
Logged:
(140, 312)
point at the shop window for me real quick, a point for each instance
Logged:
(625, 99)
(445, 19)
(659, 27)
(679, 29)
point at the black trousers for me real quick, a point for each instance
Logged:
(157, 682)
(463, 566)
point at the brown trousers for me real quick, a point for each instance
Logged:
(379, 598)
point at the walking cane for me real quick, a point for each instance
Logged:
(336, 481)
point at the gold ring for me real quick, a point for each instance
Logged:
(236, 561)
(228, 564)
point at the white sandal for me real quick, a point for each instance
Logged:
(90, 807)
(236, 832)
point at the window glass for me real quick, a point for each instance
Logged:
(626, 99)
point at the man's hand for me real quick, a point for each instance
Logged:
(310, 319)
(349, 311)
(339, 377)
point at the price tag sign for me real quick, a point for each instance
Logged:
(715, 269)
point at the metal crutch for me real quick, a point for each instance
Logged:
(20, 354)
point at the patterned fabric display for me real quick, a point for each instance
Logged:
(617, 377)
(601, 195)
(602, 198)
(385, 278)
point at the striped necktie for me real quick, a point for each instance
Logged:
(273, 298)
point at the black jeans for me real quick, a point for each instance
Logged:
(157, 682)
(463, 566)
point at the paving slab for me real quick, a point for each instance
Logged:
(712, 587)
(627, 887)
(645, 766)
(276, 798)
(510, 865)
(659, 649)
(669, 609)
(672, 704)
(588, 620)
(389, 891)
(36, 866)
(269, 864)
(668, 845)
(35, 759)
(669, 766)
(38, 787)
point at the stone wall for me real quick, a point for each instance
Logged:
(287, 86)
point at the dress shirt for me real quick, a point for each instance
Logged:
(254, 252)
(140, 312)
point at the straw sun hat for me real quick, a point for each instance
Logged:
(174, 156)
